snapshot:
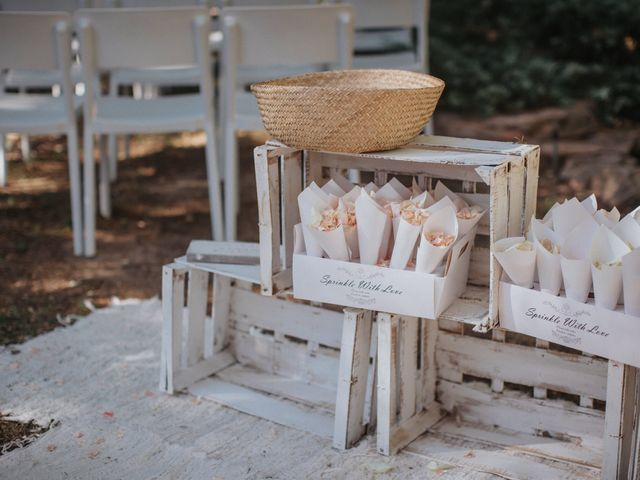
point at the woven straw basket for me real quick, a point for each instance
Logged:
(351, 111)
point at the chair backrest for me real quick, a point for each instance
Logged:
(28, 40)
(289, 35)
(42, 5)
(155, 3)
(139, 38)
(383, 13)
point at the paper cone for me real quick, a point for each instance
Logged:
(415, 188)
(311, 199)
(405, 240)
(548, 217)
(440, 204)
(442, 191)
(548, 263)
(575, 260)
(518, 264)
(590, 204)
(332, 188)
(429, 256)
(370, 187)
(606, 250)
(397, 185)
(350, 228)
(333, 242)
(568, 215)
(466, 224)
(342, 182)
(350, 197)
(631, 283)
(423, 200)
(628, 229)
(372, 225)
(391, 192)
(608, 219)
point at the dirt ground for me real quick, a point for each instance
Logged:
(160, 203)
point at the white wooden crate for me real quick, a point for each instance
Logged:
(265, 356)
(501, 176)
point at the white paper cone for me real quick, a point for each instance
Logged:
(631, 283)
(607, 248)
(342, 182)
(333, 242)
(397, 185)
(332, 188)
(415, 188)
(548, 263)
(311, 199)
(567, 216)
(429, 256)
(370, 187)
(576, 275)
(351, 236)
(350, 197)
(372, 224)
(519, 265)
(590, 204)
(442, 191)
(577, 244)
(628, 229)
(440, 204)
(608, 219)
(404, 242)
(423, 200)
(548, 217)
(466, 224)
(387, 194)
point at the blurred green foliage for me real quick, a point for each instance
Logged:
(509, 55)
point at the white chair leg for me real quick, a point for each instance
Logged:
(127, 147)
(213, 181)
(231, 182)
(105, 180)
(3, 163)
(428, 129)
(89, 195)
(113, 140)
(24, 148)
(76, 190)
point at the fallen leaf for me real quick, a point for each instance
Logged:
(14, 365)
(107, 414)
(439, 468)
(470, 454)
(51, 447)
(93, 454)
(99, 440)
(149, 393)
(35, 349)
(378, 467)
(78, 435)
(119, 434)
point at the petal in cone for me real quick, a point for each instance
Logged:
(444, 225)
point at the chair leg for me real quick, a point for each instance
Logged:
(113, 140)
(89, 190)
(105, 180)
(24, 148)
(76, 190)
(127, 147)
(3, 163)
(231, 181)
(213, 181)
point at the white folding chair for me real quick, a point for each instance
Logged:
(268, 40)
(144, 38)
(48, 49)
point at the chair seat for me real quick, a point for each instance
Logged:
(400, 60)
(40, 78)
(157, 115)
(157, 76)
(33, 114)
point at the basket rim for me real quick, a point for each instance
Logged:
(279, 83)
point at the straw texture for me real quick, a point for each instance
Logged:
(350, 111)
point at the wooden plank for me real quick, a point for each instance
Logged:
(172, 304)
(370, 407)
(408, 340)
(387, 366)
(222, 295)
(471, 308)
(291, 188)
(585, 451)
(268, 192)
(497, 383)
(559, 371)
(428, 358)
(532, 164)
(478, 266)
(289, 318)
(619, 420)
(310, 394)
(471, 144)
(196, 312)
(204, 368)
(517, 175)
(260, 405)
(286, 358)
(513, 410)
(405, 433)
(352, 378)
(247, 273)
(499, 212)
(541, 392)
